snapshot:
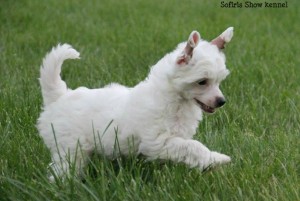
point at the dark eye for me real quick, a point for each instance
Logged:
(202, 82)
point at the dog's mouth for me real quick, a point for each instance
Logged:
(204, 107)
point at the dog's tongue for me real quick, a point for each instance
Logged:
(211, 110)
(204, 107)
(207, 109)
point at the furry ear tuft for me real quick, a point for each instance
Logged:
(187, 53)
(224, 38)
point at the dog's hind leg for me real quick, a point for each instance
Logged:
(190, 152)
(67, 164)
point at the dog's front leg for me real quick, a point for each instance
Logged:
(192, 153)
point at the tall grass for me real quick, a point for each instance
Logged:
(118, 40)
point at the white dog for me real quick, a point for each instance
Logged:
(157, 118)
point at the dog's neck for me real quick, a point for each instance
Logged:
(167, 100)
(157, 95)
(179, 115)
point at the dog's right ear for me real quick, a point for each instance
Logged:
(224, 38)
(187, 53)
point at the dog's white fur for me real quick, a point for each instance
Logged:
(157, 118)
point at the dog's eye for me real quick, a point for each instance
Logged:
(202, 82)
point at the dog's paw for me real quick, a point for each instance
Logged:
(51, 179)
(218, 158)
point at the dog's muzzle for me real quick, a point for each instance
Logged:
(220, 101)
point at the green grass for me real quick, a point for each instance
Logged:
(259, 127)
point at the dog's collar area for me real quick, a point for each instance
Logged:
(204, 107)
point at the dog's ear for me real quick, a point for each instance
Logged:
(224, 38)
(187, 53)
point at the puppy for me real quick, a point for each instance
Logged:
(157, 118)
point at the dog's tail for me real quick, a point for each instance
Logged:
(51, 83)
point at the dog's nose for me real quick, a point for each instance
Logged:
(220, 101)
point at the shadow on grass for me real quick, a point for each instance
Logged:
(132, 167)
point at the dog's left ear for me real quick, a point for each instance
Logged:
(224, 38)
(187, 53)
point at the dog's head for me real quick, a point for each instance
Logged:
(200, 68)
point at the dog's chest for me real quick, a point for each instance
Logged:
(183, 120)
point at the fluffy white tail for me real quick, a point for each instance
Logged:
(52, 85)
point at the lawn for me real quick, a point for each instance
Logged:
(259, 127)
